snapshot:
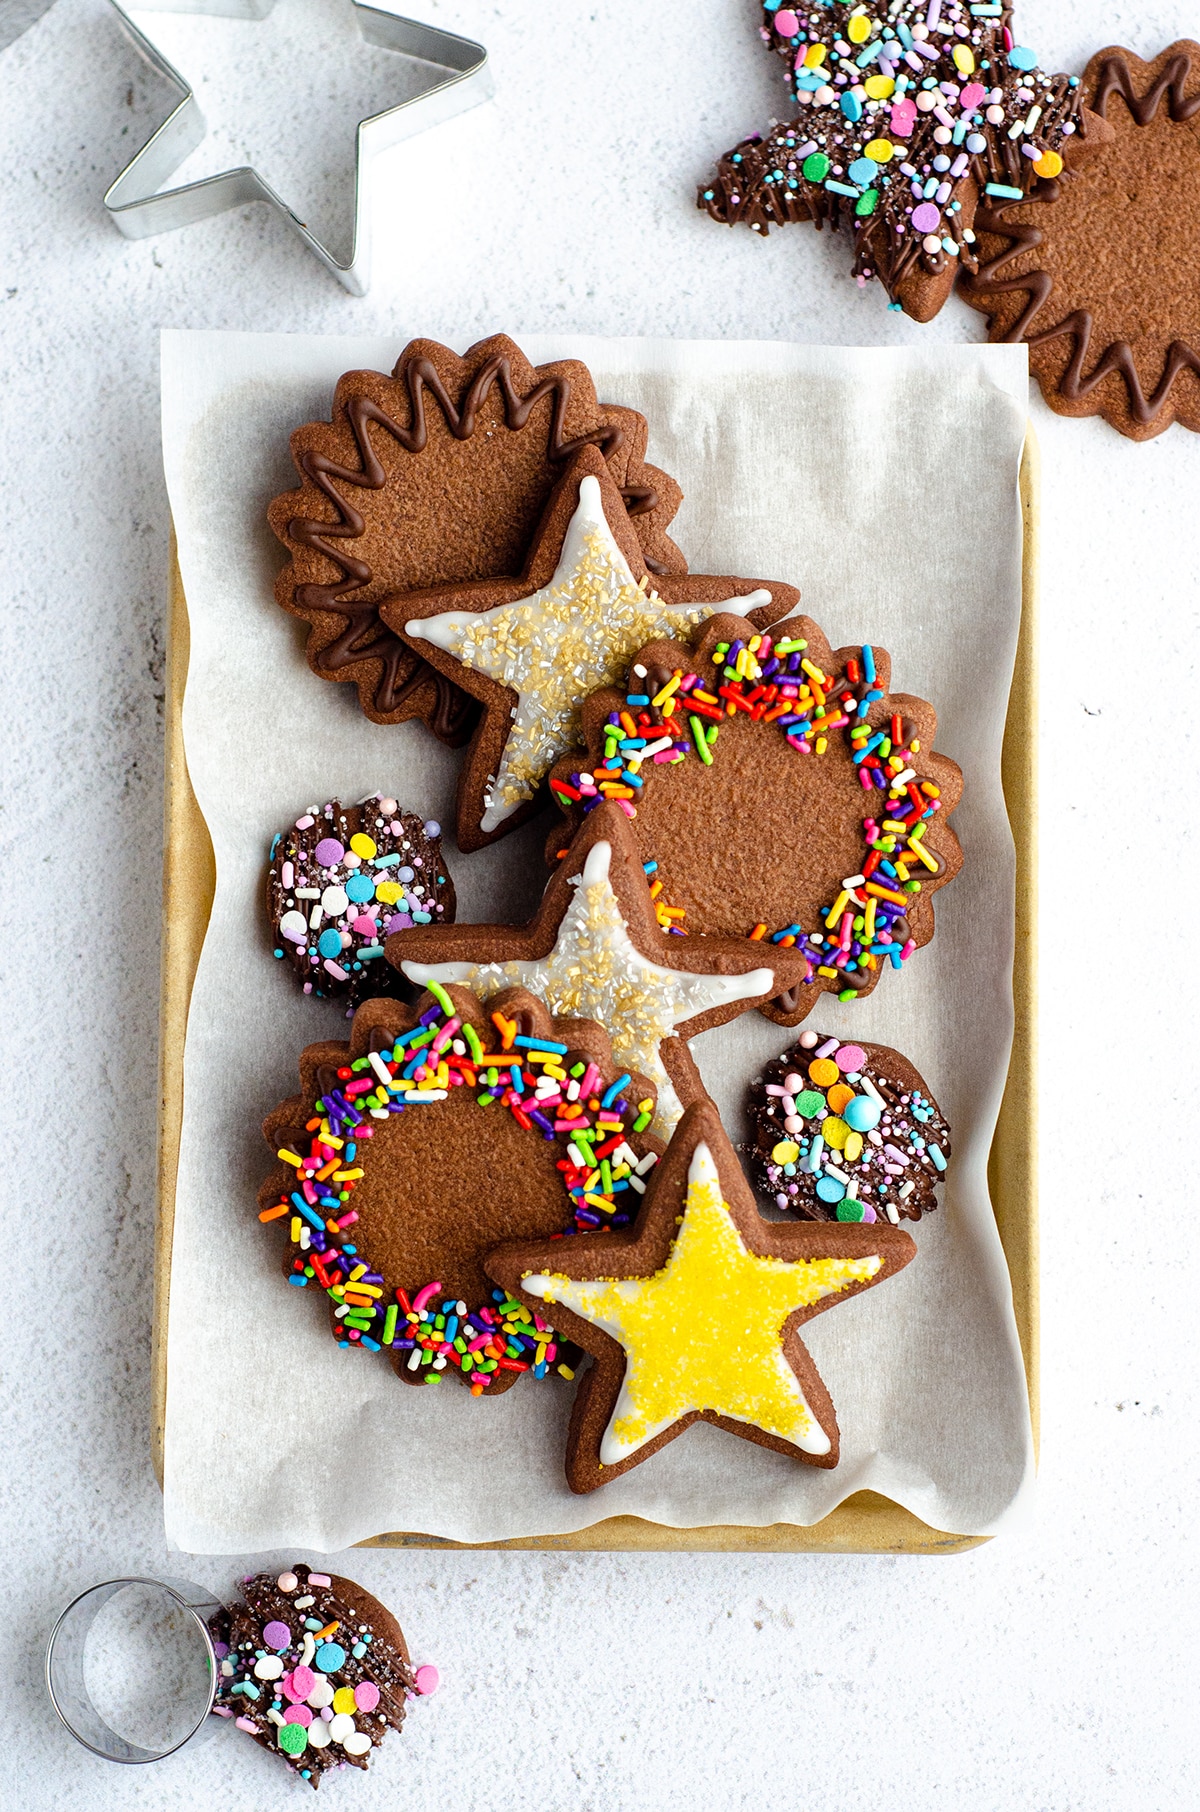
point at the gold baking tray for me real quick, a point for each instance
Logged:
(866, 1522)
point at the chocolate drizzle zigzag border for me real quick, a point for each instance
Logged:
(1076, 383)
(454, 711)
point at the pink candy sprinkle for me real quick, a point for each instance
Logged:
(364, 925)
(321, 1579)
(850, 1057)
(426, 1680)
(298, 1714)
(971, 96)
(304, 823)
(786, 23)
(299, 1683)
(366, 1695)
(247, 1724)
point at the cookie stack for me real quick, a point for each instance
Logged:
(926, 130)
(511, 1169)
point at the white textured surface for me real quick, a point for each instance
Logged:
(1051, 1670)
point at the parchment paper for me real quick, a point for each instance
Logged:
(884, 483)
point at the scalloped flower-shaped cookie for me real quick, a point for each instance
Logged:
(439, 474)
(778, 793)
(438, 1131)
(1099, 275)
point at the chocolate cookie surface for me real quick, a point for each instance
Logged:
(595, 949)
(393, 1181)
(693, 1315)
(1099, 272)
(906, 115)
(341, 879)
(844, 1131)
(530, 648)
(440, 473)
(312, 1667)
(778, 792)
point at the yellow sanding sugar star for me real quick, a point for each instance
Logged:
(553, 648)
(706, 1332)
(595, 971)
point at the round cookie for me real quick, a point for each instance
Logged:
(905, 115)
(341, 879)
(439, 473)
(1098, 272)
(844, 1131)
(437, 1132)
(313, 1667)
(778, 793)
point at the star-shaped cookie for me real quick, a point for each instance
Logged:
(531, 649)
(440, 473)
(694, 1315)
(778, 791)
(905, 116)
(594, 950)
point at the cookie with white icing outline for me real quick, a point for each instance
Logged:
(440, 472)
(594, 950)
(694, 1315)
(530, 649)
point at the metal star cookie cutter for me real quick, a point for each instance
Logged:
(138, 208)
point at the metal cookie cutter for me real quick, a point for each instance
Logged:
(179, 1704)
(138, 209)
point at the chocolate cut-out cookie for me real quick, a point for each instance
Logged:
(530, 649)
(847, 1131)
(907, 114)
(438, 1131)
(694, 1314)
(779, 793)
(594, 949)
(343, 877)
(1099, 275)
(440, 473)
(313, 1667)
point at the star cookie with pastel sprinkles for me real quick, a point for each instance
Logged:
(905, 115)
(594, 950)
(694, 1315)
(531, 649)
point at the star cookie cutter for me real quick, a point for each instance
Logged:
(139, 206)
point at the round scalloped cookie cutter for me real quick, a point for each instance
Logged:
(147, 1663)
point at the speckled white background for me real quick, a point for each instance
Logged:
(1047, 1672)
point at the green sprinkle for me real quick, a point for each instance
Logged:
(700, 740)
(443, 999)
(389, 1324)
(639, 1125)
(472, 1038)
